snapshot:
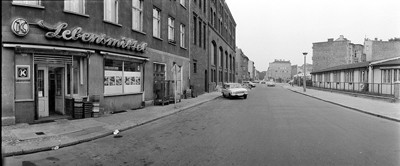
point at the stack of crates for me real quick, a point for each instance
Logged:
(96, 105)
(78, 109)
(88, 106)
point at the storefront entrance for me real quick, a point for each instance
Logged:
(50, 90)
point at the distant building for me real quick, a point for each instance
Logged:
(378, 49)
(295, 69)
(279, 70)
(242, 66)
(262, 75)
(251, 70)
(336, 52)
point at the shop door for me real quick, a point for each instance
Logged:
(42, 91)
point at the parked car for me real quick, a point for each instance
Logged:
(234, 90)
(249, 83)
(263, 82)
(270, 83)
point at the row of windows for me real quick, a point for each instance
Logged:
(111, 10)
(199, 31)
(388, 76)
(218, 54)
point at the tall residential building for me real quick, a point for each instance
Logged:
(113, 51)
(336, 52)
(199, 46)
(378, 49)
(251, 70)
(242, 66)
(222, 43)
(279, 70)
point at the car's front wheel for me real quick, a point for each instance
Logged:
(223, 94)
(245, 96)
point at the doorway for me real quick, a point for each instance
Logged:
(50, 91)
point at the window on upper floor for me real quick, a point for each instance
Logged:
(204, 35)
(194, 29)
(183, 3)
(182, 36)
(77, 6)
(171, 29)
(137, 15)
(194, 66)
(200, 42)
(28, 2)
(156, 22)
(111, 10)
(200, 3)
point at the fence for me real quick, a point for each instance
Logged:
(382, 89)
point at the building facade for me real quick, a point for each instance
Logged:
(378, 49)
(279, 70)
(222, 44)
(242, 66)
(332, 53)
(381, 77)
(117, 51)
(251, 70)
(199, 46)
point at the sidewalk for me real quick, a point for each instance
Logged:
(374, 107)
(24, 138)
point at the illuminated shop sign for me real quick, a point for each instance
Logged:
(20, 27)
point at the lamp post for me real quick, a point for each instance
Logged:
(304, 72)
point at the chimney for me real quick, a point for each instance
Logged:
(330, 40)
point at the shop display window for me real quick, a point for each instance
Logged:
(122, 77)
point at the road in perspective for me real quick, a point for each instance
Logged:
(273, 126)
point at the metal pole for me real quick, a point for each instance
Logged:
(304, 72)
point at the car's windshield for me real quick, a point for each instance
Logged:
(227, 86)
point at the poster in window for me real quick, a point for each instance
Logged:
(127, 80)
(134, 85)
(118, 80)
(112, 82)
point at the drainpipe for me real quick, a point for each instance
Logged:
(189, 40)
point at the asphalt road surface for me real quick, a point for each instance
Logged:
(273, 126)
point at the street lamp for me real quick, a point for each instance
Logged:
(304, 72)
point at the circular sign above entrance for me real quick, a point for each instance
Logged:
(20, 27)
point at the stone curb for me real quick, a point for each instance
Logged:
(48, 148)
(355, 109)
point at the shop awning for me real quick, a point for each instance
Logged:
(46, 47)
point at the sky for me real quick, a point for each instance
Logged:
(283, 29)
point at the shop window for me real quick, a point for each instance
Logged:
(122, 77)
(77, 6)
